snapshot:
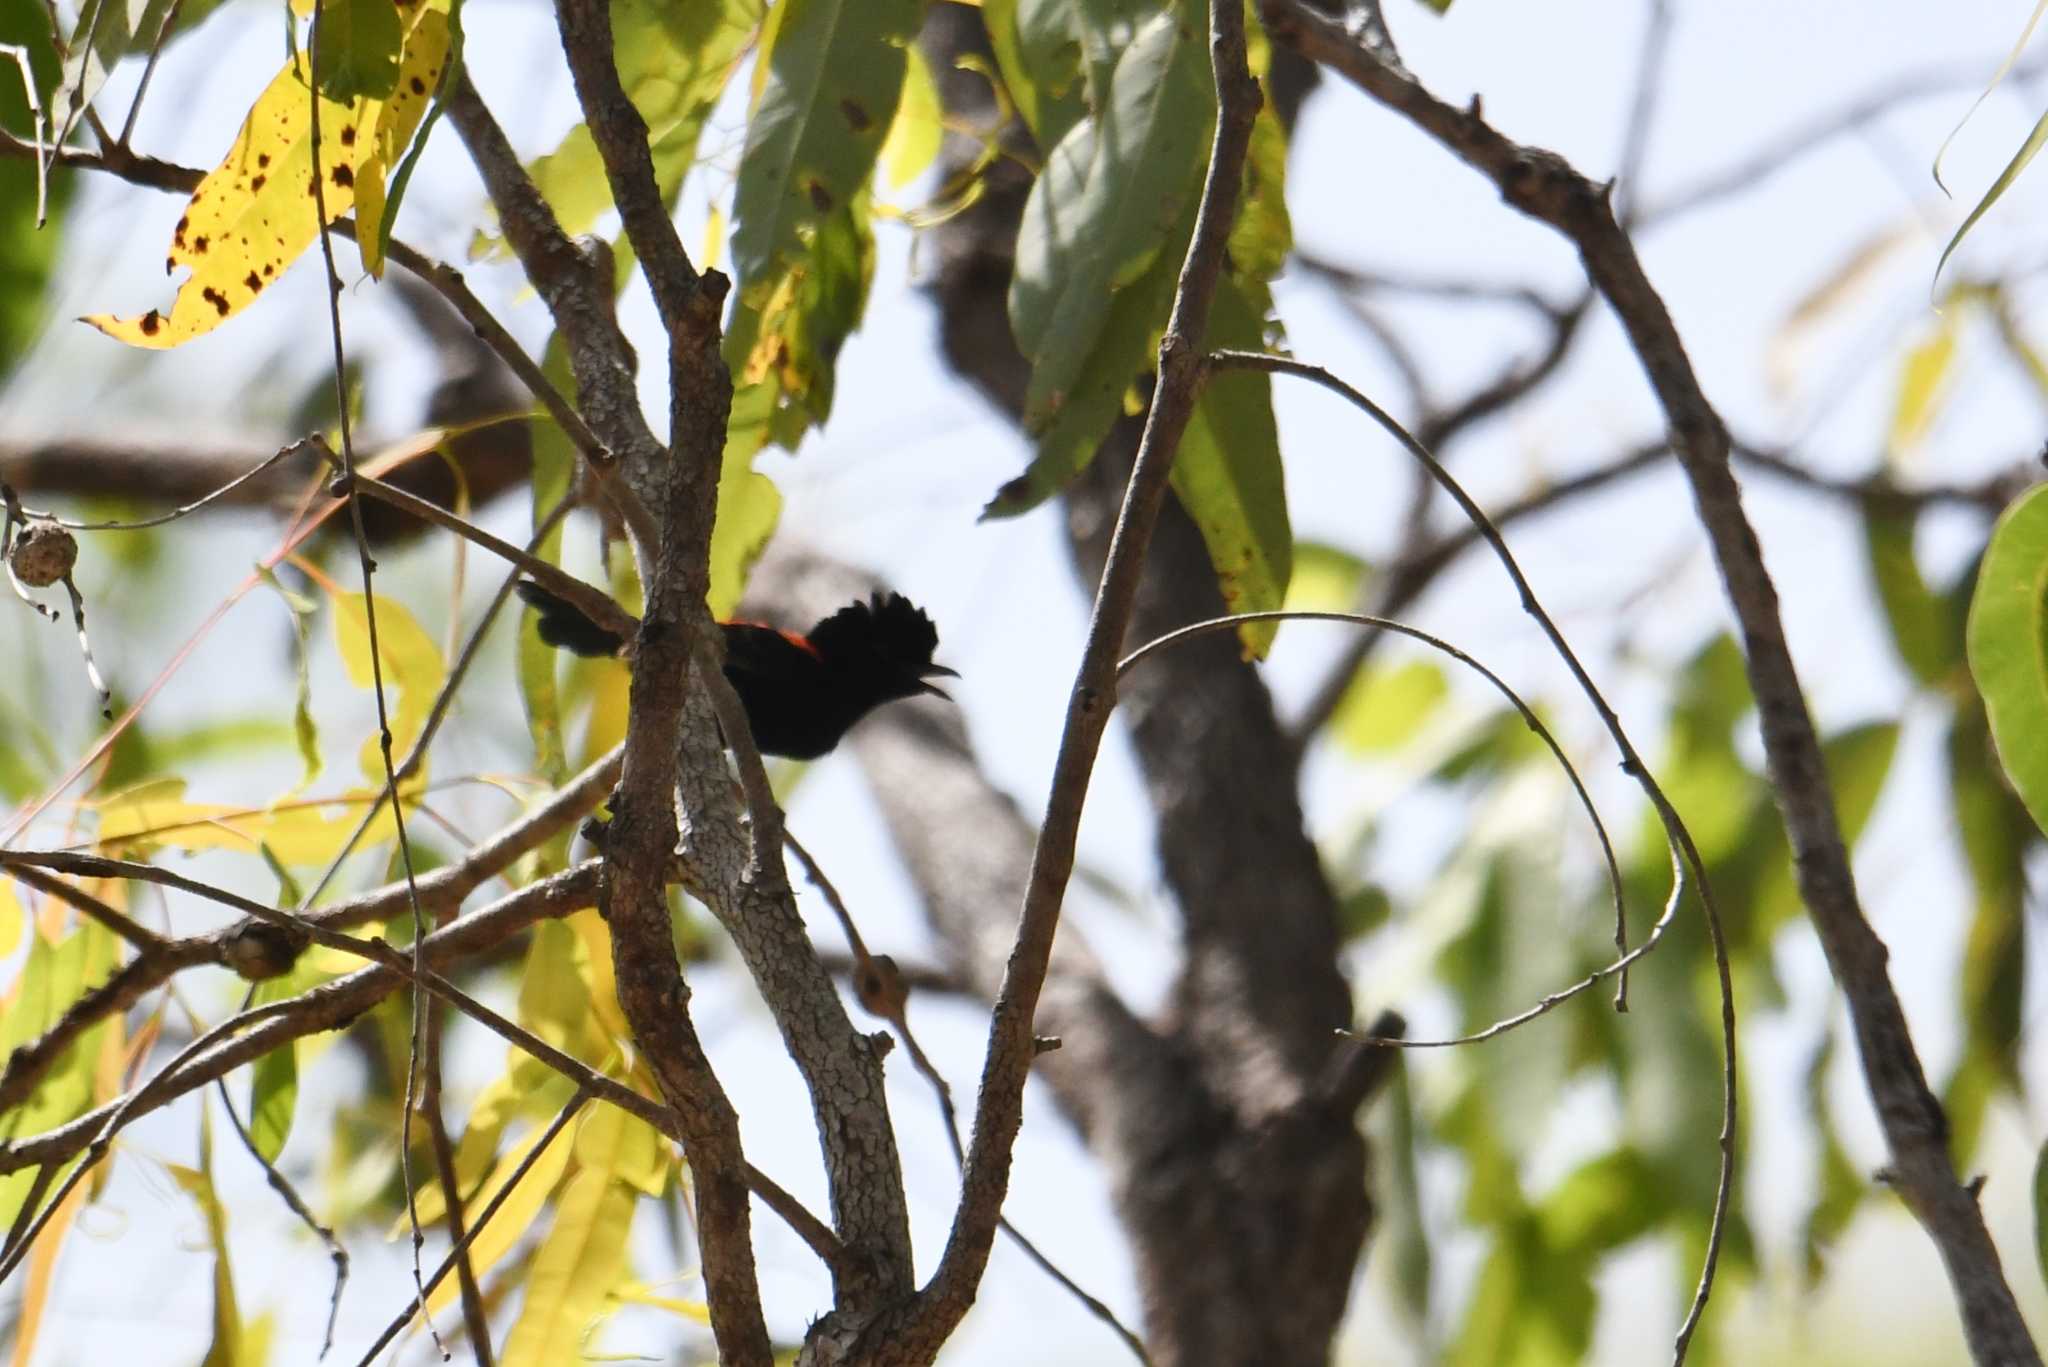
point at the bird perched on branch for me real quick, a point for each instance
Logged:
(801, 692)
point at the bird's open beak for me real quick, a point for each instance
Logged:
(926, 685)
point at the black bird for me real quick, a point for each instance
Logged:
(801, 693)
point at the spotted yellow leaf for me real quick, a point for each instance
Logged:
(255, 213)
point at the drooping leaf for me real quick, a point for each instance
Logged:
(1039, 60)
(155, 815)
(1924, 628)
(2008, 645)
(789, 328)
(1999, 186)
(2004, 69)
(915, 133)
(1125, 348)
(255, 213)
(1325, 579)
(2041, 1212)
(273, 1082)
(12, 919)
(579, 1263)
(749, 504)
(554, 466)
(624, 1146)
(1110, 192)
(518, 1213)
(1227, 472)
(675, 61)
(226, 1349)
(26, 253)
(412, 671)
(835, 73)
(358, 43)
(1384, 708)
(106, 31)
(304, 732)
(1996, 836)
(1923, 384)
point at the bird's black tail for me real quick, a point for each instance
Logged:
(564, 625)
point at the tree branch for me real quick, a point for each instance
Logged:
(1545, 187)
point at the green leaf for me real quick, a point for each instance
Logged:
(106, 31)
(749, 504)
(1383, 709)
(554, 467)
(304, 732)
(788, 330)
(1996, 836)
(2008, 645)
(26, 254)
(273, 1097)
(1039, 59)
(675, 61)
(1999, 186)
(2041, 1211)
(226, 1349)
(1604, 1203)
(1105, 203)
(1326, 578)
(835, 73)
(1125, 349)
(359, 42)
(1924, 628)
(1227, 472)
(1532, 1307)
(1262, 238)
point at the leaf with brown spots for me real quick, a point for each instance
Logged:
(255, 213)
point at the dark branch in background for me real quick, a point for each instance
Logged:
(1543, 186)
(930, 1320)
(1235, 1165)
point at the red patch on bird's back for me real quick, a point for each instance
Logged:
(802, 643)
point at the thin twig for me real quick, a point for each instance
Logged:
(931, 1317)
(368, 567)
(883, 991)
(458, 1256)
(145, 940)
(1677, 836)
(474, 1315)
(287, 1193)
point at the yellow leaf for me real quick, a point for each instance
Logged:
(12, 918)
(582, 1259)
(155, 815)
(640, 1293)
(42, 1267)
(255, 213)
(714, 238)
(595, 966)
(515, 1217)
(914, 134)
(413, 672)
(1922, 386)
(625, 1146)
